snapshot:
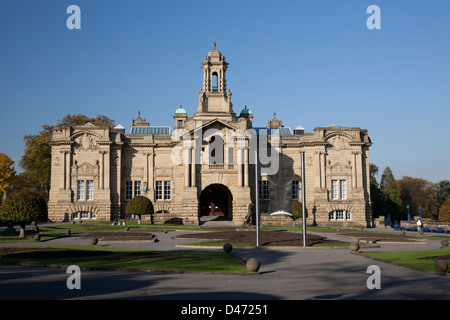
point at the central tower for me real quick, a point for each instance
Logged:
(214, 100)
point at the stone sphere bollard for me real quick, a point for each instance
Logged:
(37, 236)
(94, 241)
(354, 247)
(253, 265)
(227, 247)
(444, 243)
(68, 232)
(441, 266)
(127, 229)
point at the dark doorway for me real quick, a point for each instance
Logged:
(216, 200)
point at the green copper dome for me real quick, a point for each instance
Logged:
(246, 111)
(180, 110)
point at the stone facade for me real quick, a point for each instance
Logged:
(206, 165)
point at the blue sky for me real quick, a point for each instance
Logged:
(313, 62)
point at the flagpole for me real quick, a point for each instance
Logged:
(257, 198)
(303, 198)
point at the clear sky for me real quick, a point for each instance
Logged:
(313, 62)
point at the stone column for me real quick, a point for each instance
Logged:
(63, 167)
(102, 170)
(323, 170)
(246, 150)
(186, 156)
(193, 167)
(318, 170)
(106, 171)
(68, 156)
(239, 165)
(359, 169)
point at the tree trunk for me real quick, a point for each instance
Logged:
(22, 230)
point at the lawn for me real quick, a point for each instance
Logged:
(111, 258)
(423, 259)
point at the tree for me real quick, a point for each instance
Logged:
(442, 192)
(36, 160)
(7, 175)
(376, 196)
(444, 212)
(139, 205)
(391, 193)
(22, 206)
(418, 192)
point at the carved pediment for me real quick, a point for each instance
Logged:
(85, 169)
(86, 141)
(338, 142)
(341, 168)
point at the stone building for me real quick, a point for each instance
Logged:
(205, 166)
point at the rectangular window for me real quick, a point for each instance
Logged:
(84, 215)
(295, 195)
(80, 190)
(334, 190)
(343, 189)
(166, 190)
(264, 190)
(137, 188)
(89, 190)
(158, 190)
(180, 123)
(339, 215)
(128, 190)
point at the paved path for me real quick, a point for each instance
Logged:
(285, 274)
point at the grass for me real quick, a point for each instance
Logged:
(177, 261)
(413, 258)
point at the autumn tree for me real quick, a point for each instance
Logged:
(391, 195)
(418, 192)
(36, 160)
(7, 175)
(444, 212)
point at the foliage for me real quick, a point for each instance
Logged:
(444, 212)
(418, 192)
(392, 196)
(297, 209)
(139, 205)
(7, 174)
(24, 205)
(442, 192)
(36, 160)
(376, 196)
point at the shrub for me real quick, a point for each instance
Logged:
(297, 209)
(139, 205)
(22, 206)
(444, 212)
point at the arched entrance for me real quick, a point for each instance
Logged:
(216, 200)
